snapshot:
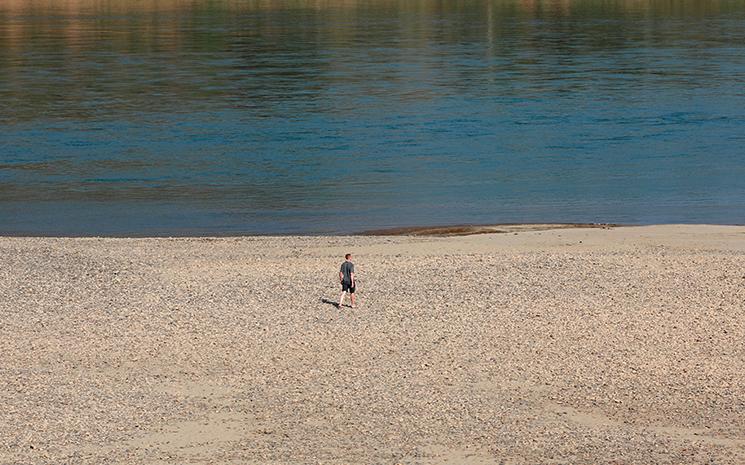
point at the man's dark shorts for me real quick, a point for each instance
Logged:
(347, 287)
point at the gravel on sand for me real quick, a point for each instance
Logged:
(582, 346)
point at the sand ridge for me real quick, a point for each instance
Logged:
(620, 345)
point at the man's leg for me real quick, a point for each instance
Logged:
(351, 295)
(341, 298)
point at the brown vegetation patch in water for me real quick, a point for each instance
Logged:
(468, 229)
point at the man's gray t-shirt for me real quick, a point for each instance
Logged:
(347, 268)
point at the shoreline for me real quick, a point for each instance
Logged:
(442, 230)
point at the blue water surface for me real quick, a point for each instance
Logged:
(243, 117)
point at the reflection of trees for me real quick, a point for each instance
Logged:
(93, 58)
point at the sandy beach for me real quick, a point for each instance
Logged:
(531, 346)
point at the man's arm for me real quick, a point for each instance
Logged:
(351, 275)
(341, 276)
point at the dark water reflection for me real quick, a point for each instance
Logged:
(180, 117)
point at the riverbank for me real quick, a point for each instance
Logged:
(577, 345)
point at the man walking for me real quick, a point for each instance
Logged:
(346, 277)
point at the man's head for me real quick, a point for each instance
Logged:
(348, 256)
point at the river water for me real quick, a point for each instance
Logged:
(175, 117)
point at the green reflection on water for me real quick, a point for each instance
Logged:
(104, 59)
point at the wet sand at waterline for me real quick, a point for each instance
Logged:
(597, 345)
